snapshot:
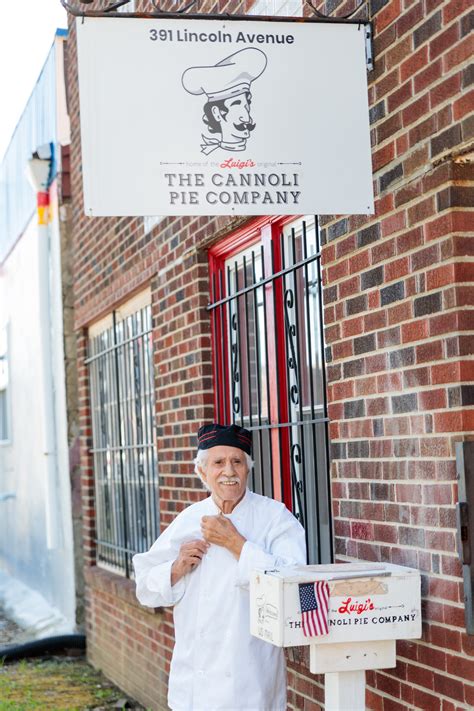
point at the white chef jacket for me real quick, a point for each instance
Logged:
(217, 664)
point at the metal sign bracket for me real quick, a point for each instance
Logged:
(369, 53)
(113, 7)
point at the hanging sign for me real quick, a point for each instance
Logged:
(219, 117)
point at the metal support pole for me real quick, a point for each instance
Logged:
(49, 414)
(39, 172)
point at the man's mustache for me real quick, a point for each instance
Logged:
(246, 126)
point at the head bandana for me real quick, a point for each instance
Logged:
(229, 435)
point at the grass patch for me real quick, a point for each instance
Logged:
(60, 684)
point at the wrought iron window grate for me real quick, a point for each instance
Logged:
(266, 307)
(120, 364)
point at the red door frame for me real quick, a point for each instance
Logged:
(266, 230)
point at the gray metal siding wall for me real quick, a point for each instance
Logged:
(36, 126)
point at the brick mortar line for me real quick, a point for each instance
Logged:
(396, 393)
(443, 672)
(173, 359)
(400, 347)
(421, 170)
(442, 157)
(412, 28)
(415, 549)
(461, 259)
(103, 255)
(174, 344)
(178, 330)
(416, 97)
(200, 292)
(200, 405)
(184, 328)
(410, 32)
(405, 277)
(363, 418)
(170, 265)
(424, 169)
(429, 692)
(392, 524)
(154, 246)
(168, 373)
(389, 438)
(176, 449)
(430, 458)
(442, 600)
(161, 315)
(302, 677)
(444, 625)
(416, 481)
(183, 501)
(200, 495)
(302, 693)
(93, 310)
(84, 271)
(190, 490)
(299, 676)
(406, 129)
(468, 308)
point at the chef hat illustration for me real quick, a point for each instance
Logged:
(229, 77)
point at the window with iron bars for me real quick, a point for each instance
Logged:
(120, 361)
(269, 375)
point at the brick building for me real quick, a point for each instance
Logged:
(194, 318)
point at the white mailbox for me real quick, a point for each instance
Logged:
(371, 605)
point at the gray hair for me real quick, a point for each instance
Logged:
(200, 461)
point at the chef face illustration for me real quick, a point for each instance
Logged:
(227, 112)
(230, 117)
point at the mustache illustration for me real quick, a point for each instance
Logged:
(246, 125)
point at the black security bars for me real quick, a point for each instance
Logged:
(122, 406)
(266, 310)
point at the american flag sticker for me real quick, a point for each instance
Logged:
(314, 600)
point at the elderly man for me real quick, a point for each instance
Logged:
(201, 564)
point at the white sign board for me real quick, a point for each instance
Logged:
(367, 602)
(219, 117)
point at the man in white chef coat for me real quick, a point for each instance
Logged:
(201, 565)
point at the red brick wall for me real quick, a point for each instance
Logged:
(398, 287)
(399, 328)
(399, 335)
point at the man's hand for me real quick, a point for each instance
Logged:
(222, 532)
(190, 555)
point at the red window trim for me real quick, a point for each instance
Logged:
(264, 229)
(244, 237)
